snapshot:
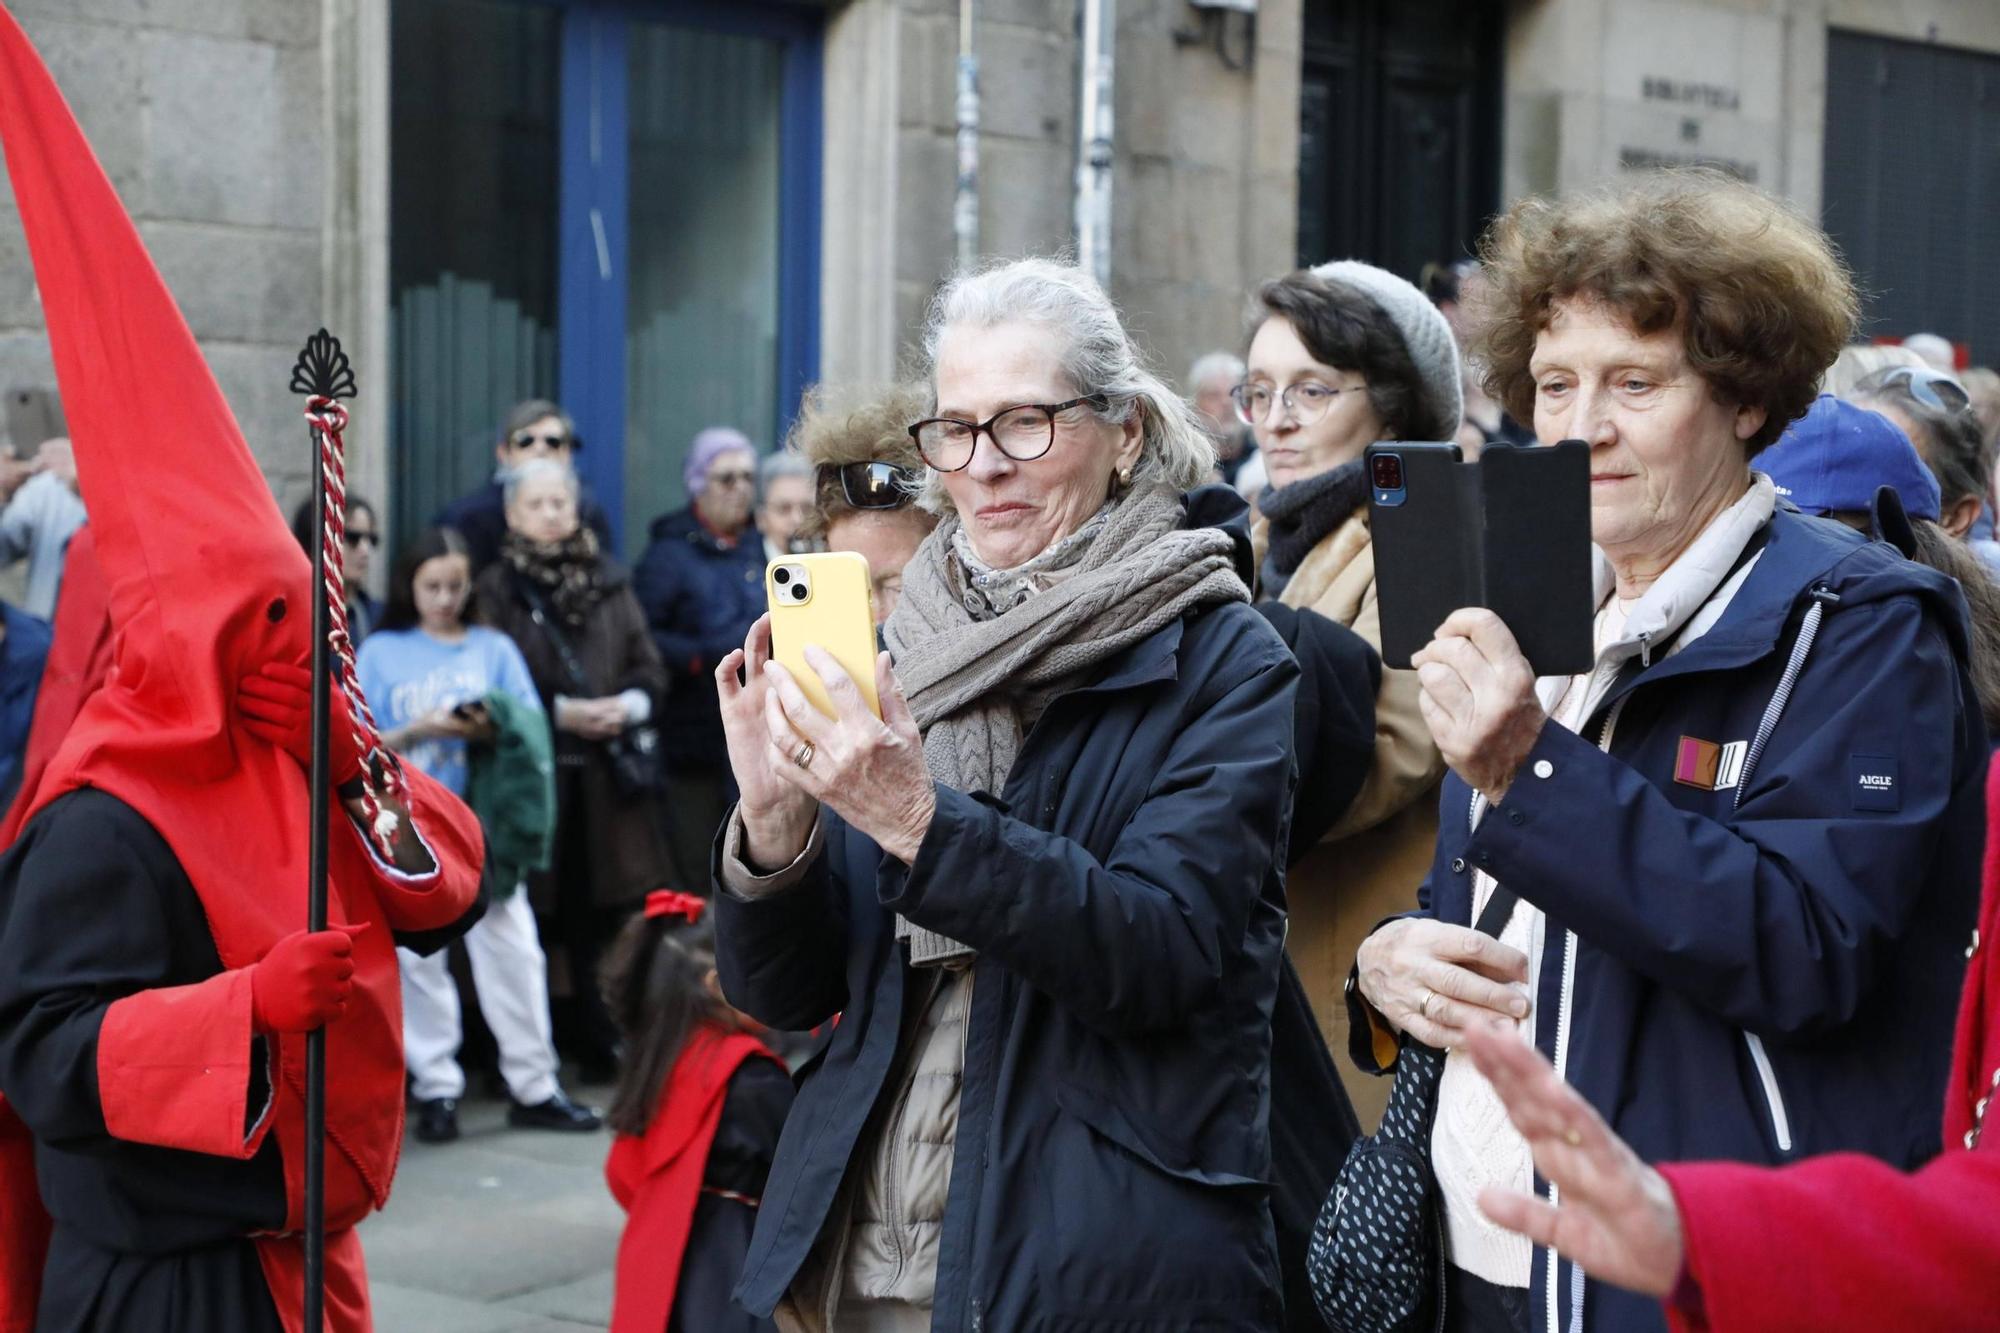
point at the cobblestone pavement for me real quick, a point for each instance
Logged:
(504, 1231)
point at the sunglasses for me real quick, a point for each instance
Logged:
(1933, 388)
(875, 485)
(369, 539)
(555, 441)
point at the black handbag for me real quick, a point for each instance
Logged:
(1377, 1257)
(634, 753)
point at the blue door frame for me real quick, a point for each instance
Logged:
(592, 234)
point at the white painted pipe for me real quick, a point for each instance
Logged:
(1094, 141)
(965, 198)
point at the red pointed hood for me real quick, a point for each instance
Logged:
(203, 585)
(205, 581)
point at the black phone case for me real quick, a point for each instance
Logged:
(1510, 532)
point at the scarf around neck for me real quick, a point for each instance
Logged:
(975, 683)
(1303, 513)
(569, 573)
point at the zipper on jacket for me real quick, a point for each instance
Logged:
(1561, 1061)
(1774, 1100)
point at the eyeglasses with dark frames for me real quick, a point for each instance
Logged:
(1933, 388)
(872, 485)
(1023, 432)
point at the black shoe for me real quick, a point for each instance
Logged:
(558, 1112)
(437, 1120)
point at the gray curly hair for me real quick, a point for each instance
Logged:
(1097, 355)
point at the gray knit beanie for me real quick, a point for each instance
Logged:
(1424, 331)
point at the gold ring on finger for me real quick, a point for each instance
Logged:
(1573, 1137)
(804, 757)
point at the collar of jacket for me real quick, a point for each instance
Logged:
(687, 525)
(1802, 554)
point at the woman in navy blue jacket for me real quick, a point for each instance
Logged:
(1746, 844)
(1044, 894)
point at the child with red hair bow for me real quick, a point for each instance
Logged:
(697, 1114)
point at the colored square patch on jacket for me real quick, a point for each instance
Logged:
(1874, 782)
(1696, 763)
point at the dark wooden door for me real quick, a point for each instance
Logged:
(1912, 184)
(1399, 147)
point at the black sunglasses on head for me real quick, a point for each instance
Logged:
(875, 485)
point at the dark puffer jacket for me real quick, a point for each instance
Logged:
(1762, 974)
(701, 597)
(1125, 894)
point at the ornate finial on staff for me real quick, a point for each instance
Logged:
(323, 370)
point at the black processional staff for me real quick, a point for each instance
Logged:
(324, 376)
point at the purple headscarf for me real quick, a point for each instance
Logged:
(708, 446)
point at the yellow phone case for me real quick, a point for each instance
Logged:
(836, 612)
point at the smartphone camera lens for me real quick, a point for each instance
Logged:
(1388, 472)
(781, 576)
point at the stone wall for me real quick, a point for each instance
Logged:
(208, 115)
(1204, 192)
(1598, 86)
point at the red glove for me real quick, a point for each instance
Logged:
(304, 982)
(276, 707)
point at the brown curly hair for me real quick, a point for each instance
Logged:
(1762, 301)
(850, 425)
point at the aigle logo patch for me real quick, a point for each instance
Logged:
(1873, 783)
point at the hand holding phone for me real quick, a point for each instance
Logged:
(1509, 533)
(823, 599)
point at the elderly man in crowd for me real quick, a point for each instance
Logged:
(536, 428)
(784, 501)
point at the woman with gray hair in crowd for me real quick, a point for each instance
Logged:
(1044, 890)
(569, 605)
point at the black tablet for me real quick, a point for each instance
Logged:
(1510, 532)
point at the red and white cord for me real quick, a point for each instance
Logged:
(380, 774)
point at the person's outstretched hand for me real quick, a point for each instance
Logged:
(304, 982)
(275, 703)
(1616, 1216)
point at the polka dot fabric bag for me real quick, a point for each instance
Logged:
(1376, 1262)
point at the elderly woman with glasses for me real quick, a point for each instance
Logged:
(1043, 891)
(1732, 867)
(701, 582)
(867, 473)
(1342, 356)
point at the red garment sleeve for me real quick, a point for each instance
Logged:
(174, 1068)
(1842, 1242)
(450, 832)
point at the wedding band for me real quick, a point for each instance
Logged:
(1425, 1007)
(1573, 1137)
(804, 757)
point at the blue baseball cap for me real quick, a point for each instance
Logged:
(1837, 456)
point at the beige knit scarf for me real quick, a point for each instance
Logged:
(976, 685)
